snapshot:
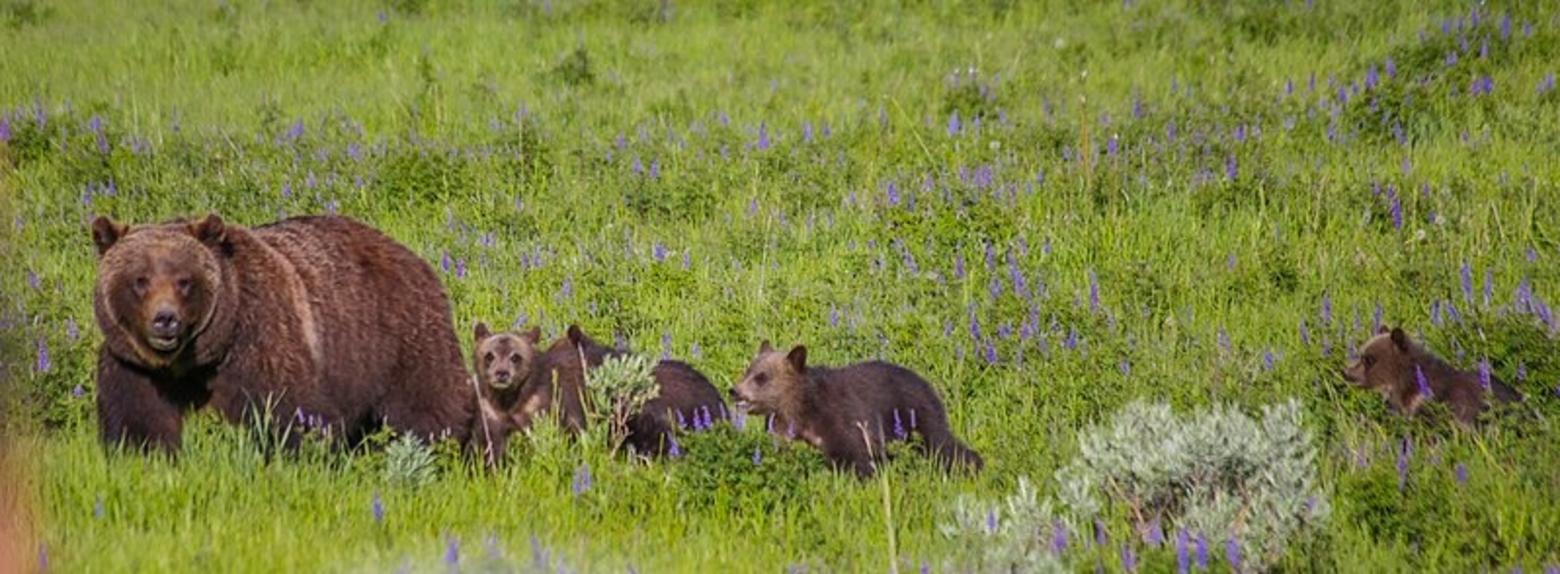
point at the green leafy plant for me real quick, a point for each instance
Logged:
(616, 390)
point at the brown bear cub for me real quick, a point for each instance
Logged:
(685, 399)
(503, 363)
(1408, 375)
(522, 382)
(319, 320)
(849, 412)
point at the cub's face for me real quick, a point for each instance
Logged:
(1382, 361)
(158, 283)
(503, 359)
(772, 381)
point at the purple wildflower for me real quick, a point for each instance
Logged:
(452, 553)
(5, 130)
(1327, 310)
(1125, 367)
(673, 449)
(1094, 292)
(1461, 472)
(1201, 544)
(658, 252)
(581, 482)
(893, 194)
(758, 457)
(460, 268)
(1305, 333)
(899, 426)
(1128, 558)
(1182, 557)
(1154, 535)
(991, 353)
(991, 521)
(763, 137)
(1230, 168)
(1467, 283)
(958, 266)
(78, 392)
(378, 508)
(953, 124)
(1101, 536)
(1397, 210)
(44, 364)
(1058, 537)
(1268, 359)
(1232, 553)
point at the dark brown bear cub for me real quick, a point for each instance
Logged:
(685, 398)
(319, 319)
(1408, 375)
(849, 412)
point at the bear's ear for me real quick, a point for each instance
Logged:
(1400, 339)
(210, 231)
(576, 336)
(798, 358)
(765, 347)
(1383, 329)
(534, 335)
(482, 332)
(105, 233)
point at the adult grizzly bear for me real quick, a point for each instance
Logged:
(319, 319)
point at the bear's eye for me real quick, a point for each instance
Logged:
(761, 378)
(515, 358)
(488, 358)
(1368, 360)
(140, 285)
(185, 285)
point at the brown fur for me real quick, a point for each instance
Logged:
(1387, 365)
(685, 396)
(849, 412)
(318, 318)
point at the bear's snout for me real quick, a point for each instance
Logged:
(502, 375)
(163, 333)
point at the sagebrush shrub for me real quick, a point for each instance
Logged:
(409, 463)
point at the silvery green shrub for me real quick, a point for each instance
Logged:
(616, 390)
(1216, 473)
(408, 462)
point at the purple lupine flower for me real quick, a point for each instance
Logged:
(1058, 536)
(1112, 144)
(953, 124)
(899, 426)
(1305, 333)
(33, 280)
(1375, 324)
(1125, 367)
(566, 290)
(1231, 169)
(460, 268)
(581, 482)
(1229, 262)
(958, 266)
(78, 392)
(1404, 453)
(1182, 557)
(1521, 374)
(452, 554)
(991, 521)
(1397, 210)
(658, 252)
(1268, 359)
(378, 509)
(637, 167)
(444, 261)
(763, 136)
(991, 257)
(1423, 384)
(5, 130)
(991, 353)
(1461, 472)
(1489, 286)
(1201, 545)
(1467, 283)
(673, 449)
(1327, 310)
(1232, 553)
(1128, 558)
(44, 363)
(1154, 535)
(1101, 536)
(1094, 292)
(893, 194)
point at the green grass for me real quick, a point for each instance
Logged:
(489, 133)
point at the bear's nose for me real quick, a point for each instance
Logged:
(501, 375)
(165, 324)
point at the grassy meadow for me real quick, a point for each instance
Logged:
(1047, 208)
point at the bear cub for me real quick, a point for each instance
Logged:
(849, 412)
(1408, 375)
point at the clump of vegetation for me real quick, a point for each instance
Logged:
(409, 463)
(617, 390)
(1217, 475)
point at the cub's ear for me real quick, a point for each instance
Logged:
(765, 347)
(482, 332)
(798, 358)
(210, 231)
(1382, 330)
(534, 335)
(105, 233)
(1400, 339)
(576, 335)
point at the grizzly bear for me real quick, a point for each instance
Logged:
(1408, 375)
(319, 319)
(849, 412)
